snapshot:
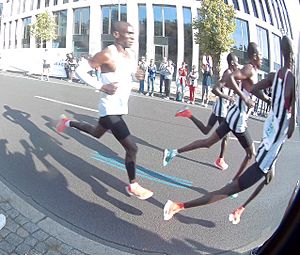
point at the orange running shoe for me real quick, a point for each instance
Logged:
(235, 217)
(171, 208)
(186, 113)
(61, 125)
(134, 189)
(221, 164)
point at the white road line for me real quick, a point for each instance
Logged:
(64, 103)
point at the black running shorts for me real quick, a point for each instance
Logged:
(244, 138)
(116, 124)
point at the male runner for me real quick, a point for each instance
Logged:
(220, 109)
(237, 116)
(118, 68)
(279, 125)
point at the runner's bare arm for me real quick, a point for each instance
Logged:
(258, 88)
(219, 84)
(240, 74)
(290, 96)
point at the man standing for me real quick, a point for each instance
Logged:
(161, 69)
(118, 68)
(279, 125)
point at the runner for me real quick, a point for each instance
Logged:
(118, 68)
(220, 109)
(279, 125)
(236, 119)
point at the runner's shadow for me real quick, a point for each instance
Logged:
(43, 146)
(193, 221)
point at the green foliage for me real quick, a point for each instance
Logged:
(44, 28)
(214, 26)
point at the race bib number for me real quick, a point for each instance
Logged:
(270, 130)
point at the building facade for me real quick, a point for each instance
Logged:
(163, 28)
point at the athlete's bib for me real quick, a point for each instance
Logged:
(271, 126)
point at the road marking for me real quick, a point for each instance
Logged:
(65, 103)
(145, 172)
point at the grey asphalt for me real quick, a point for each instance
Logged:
(70, 187)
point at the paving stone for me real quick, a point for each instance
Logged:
(75, 252)
(13, 213)
(30, 227)
(53, 243)
(14, 239)
(5, 206)
(42, 247)
(23, 233)
(5, 253)
(65, 249)
(6, 246)
(4, 232)
(31, 241)
(21, 219)
(40, 235)
(11, 225)
(23, 249)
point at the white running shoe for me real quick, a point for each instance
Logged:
(2, 221)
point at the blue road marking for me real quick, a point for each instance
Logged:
(145, 172)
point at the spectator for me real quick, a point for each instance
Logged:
(181, 82)
(192, 78)
(207, 79)
(71, 65)
(162, 68)
(143, 67)
(151, 77)
(46, 66)
(168, 78)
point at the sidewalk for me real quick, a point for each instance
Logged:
(30, 232)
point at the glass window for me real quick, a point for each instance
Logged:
(142, 30)
(170, 16)
(280, 16)
(1, 8)
(9, 35)
(16, 33)
(55, 2)
(110, 14)
(263, 43)
(31, 5)
(61, 30)
(38, 4)
(65, 1)
(188, 36)
(276, 52)
(4, 32)
(236, 5)
(226, 1)
(241, 40)
(246, 7)
(262, 10)
(158, 20)
(254, 8)
(81, 28)
(24, 6)
(26, 32)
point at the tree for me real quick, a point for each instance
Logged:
(215, 24)
(44, 29)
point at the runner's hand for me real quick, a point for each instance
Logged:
(250, 103)
(110, 88)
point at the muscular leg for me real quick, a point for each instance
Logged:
(204, 129)
(130, 157)
(202, 143)
(247, 159)
(95, 131)
(215, 196)
(223, 146)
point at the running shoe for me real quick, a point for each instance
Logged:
(221, 164)
(235, 217)
(138, 191)
(168, 156)
(235, 195)
(186, 113)
(2, 221)
(170, 209)
(61, 125)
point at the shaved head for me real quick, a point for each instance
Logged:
(252, 49)
(286, 48)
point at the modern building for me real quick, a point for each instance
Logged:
(163, 28)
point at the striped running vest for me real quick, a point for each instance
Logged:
(238, 113)
(275, 127)
(221, 105)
